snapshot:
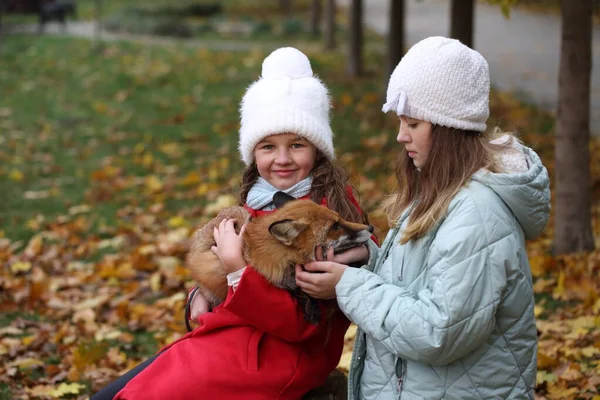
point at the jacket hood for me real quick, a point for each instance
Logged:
(524, 188)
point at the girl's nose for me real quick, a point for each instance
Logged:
(283, 157)
(403, 136)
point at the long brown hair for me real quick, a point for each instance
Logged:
(330, 181)
(454, 157)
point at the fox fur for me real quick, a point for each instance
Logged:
(273, 245)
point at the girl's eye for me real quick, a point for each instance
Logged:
(412, 126)
(268, 147)
(297, 145)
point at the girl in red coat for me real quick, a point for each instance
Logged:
(257, 343)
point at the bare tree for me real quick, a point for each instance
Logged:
(330, 24)
(573, 230)
(355, 66)
(1, 13)
(461, 21)
(395, 35)
(98, 24)
(286, 7)
(315, 17)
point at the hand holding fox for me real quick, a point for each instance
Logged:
(229, 246)
(318, 278)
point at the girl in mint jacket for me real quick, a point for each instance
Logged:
(445, 309)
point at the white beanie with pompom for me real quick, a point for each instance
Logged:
(287, 98)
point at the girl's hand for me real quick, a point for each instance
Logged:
(319, 278)
(229, 246)
(199, 306)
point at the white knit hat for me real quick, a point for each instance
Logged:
(287, 98)
(441, 81)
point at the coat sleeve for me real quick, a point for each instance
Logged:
(269, 308)
(455, 312)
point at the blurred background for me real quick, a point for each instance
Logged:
(118, 137)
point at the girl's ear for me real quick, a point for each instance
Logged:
(281, 198)
(287, 230)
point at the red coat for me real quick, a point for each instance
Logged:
(256, 345)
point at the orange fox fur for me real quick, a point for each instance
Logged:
(273, 244)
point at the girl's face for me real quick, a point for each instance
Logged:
(284, 160)
(415, 135)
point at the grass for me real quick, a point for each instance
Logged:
(92, 133)
(109, 129)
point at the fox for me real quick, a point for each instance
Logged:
(273, 245)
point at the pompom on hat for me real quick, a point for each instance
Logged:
(287, 98)
(441, 81)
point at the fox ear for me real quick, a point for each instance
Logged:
(286, 230)
(280, 198)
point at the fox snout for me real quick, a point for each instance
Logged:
(350, 239)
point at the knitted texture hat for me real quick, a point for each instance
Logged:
(287, 98)
(441, 81)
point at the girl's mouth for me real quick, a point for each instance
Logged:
(283, 174)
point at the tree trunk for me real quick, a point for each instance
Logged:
(98, 25)
(286, 7)
(573, 229)
(461, 21)
(356, 38)
(330, 24)
(1, 12)
(315, 18)
(395, 35)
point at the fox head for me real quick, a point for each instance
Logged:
(303, 224)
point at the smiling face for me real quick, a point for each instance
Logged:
(415, 135)
(284, 160)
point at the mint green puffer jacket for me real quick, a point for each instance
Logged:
(450, 315)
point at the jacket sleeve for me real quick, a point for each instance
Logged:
(455, 312)
(269, 308)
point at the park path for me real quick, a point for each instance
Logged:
(523, 51)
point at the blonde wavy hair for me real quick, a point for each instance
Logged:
(454, 157)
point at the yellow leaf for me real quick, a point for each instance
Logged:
(100, 107)
(155, 282)
(177, 221)
(153, 183)
(540, 265)
(92, 303)
(543, 376)
(27, 340)
(571, 374)
(191, 179)
(147, 160)
(67, 388)
(546, 362)
(559, 291)
(27, 363)
(16, 175)
(34, 246)
(590, 351)
(202, 189)
(538, 310)
(346, 99)
(223, 201)
(213, 173)
(224, 163)
(20, 266)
